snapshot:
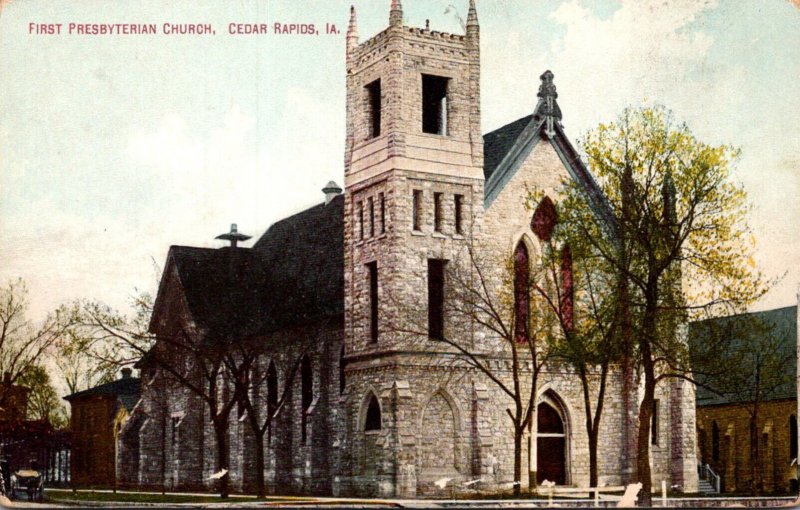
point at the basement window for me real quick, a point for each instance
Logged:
(374, 108)
(434, 104)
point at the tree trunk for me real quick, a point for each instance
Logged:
(221, 433)
(518, 432)
(590, 429)
(593, 458)
(261, 490)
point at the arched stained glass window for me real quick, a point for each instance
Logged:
(521, 294)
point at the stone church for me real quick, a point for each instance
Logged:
(375, 410)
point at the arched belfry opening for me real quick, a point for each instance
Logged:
(551, 442)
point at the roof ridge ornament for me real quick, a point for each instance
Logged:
(547, 108)
(234, 236)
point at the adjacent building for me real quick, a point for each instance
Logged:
(96, 419)
(726, 428)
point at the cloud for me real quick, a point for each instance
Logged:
(645, 52)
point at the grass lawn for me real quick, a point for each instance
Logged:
(149, 497)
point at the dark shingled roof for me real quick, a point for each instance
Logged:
(293, 274)
(501, 142)
(224, 288)
(127, 390)
(304, 255)
(781, 323)
(497, 143)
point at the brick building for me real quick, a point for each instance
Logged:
(96, 419)
(724, 421)
(373, 411)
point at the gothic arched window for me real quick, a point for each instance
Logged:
(793, 437)
(306, 393)
(373, 421)
(272, 388)
(342, 380)
(714, 442)
(272, 395)
(521, 295)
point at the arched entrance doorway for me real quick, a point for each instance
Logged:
(551, 446)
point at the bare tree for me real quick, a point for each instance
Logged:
(186, 359)
(497, 296)
(250, 363)
(24, 344)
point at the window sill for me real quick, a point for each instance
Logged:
(459, 237)
(372, 432)
(370, 239)
(417, 233)
(439, 235)
(435, 135)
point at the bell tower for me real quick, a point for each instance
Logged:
(413, 167)
(413, 200)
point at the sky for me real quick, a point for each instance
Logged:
(114, 147)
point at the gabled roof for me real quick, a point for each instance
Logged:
(781, 323)
(293, 274)
(127, 390)
(224, 288)
(506, 149)
(498, 143)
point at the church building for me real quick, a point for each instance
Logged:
(356, 287)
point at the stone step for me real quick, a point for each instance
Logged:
(705, 487)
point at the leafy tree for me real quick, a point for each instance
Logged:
(679, 243)
(44, 402)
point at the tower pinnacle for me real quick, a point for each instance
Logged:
(352, 31)
(396, 14)
(472, 15)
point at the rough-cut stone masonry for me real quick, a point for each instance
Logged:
(439, 418)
